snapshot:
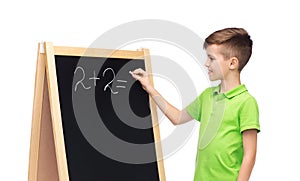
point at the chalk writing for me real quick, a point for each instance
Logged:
(108, 84)
(83, 82)
(94, 78)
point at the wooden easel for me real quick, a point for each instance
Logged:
(43, 161)
(48, 160)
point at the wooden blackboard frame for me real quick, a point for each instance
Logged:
(47, 160)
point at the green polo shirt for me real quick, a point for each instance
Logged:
(223, 117)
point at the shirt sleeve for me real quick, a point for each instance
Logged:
(194, 108)
(249, 115)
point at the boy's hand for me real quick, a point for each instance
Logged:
(142, 77)
(175, 116)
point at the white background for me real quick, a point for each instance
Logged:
(271, 75)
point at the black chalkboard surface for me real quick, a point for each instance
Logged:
(103, 81)
(91, 120)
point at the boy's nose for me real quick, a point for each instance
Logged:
(206, 63)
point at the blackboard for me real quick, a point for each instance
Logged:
(91, 119)
(84, 161)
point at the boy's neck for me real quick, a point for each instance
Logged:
(230, 83)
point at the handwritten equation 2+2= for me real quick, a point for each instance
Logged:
(94, 78)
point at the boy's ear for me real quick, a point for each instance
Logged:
(233, 63)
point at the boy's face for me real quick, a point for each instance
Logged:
(216, 64)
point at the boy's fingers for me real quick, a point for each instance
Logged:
(135, 75)
(139, 71)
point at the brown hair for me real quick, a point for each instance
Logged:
(236, 42)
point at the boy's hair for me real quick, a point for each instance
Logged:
(236, 42)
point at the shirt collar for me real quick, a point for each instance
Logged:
(232, 93)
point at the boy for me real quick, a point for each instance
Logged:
(228, 113)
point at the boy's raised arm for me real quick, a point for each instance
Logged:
(175, 115)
